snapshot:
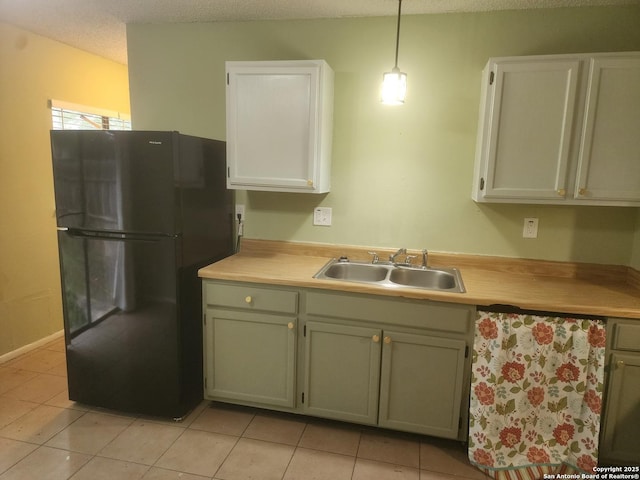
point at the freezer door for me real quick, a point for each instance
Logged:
(115, 180)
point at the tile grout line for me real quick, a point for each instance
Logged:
(295, 449)
(226, 457)
(355, 461)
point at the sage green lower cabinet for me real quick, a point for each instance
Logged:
(250, 344)
(369, 359)
(253, 358)
(396, 363)
(342, 372)
(421, 383)
(620, 440)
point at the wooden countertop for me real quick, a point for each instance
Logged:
(574, 288)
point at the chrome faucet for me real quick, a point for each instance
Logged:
(393, 259)
(375, 258)
(401, 251)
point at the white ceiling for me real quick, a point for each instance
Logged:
(99, 26)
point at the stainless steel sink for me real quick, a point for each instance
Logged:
(429, 278)
(392, 276)
(356, 272)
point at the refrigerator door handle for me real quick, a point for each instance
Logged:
(115, 236)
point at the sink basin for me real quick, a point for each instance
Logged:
(431, 279)
(392, 276)
(357, 272)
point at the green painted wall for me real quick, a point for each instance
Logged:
(401, 175)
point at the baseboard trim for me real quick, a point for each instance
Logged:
(32, 346)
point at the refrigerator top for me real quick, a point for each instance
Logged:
(125, 181)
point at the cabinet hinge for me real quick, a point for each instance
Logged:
(302, 397)
(466, 351)
(481, 183)
(227, 79)
(492, 76)
(204, 319)
(304, 334)
(228, 172)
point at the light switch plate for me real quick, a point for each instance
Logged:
(322, 216)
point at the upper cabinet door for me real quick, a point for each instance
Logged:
(560, 129)
(529, 119)
(609, 159)
(279, 125)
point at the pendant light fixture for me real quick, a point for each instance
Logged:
(394, 83)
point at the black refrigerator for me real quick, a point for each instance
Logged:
(138, 213)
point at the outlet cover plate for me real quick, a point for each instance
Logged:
(530, 229)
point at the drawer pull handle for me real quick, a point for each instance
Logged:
(620, 363)
(290, 325)
(387, 340)
(375, 338)
(248, 299)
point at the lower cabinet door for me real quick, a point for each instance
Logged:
(421, 384)
(620, 443)
(342, 372)
(250, 357)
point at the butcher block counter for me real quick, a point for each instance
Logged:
(564, 287)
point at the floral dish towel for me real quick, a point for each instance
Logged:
(536, 395)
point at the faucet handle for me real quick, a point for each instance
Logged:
(408, 259)
(375, 258)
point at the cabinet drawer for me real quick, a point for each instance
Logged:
(432, 315)
(250, 297)
(627, 337)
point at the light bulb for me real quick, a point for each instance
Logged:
(394, 87)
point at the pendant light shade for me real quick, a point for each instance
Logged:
(394, 87)
(394, 83)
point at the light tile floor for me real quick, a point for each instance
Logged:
(43, 435)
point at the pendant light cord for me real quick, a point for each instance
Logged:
(398, 32)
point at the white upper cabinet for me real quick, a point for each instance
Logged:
(609, 155)
(279, 125)
(560, 129)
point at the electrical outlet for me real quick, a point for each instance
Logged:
(240, 211)
(530, 229)
(322, 216)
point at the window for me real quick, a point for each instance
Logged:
(68, 116)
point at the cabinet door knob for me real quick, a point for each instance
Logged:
(562, 192)
(620, 363)
(582, 191)
(248, 299)
(310, 183)
(387, 340)
(375, 338)
(290, 325)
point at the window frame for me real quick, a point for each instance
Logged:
(92, 118)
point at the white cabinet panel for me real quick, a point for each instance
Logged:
(530, 128)
(560, 129)
(279, 125)
(609, 162)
